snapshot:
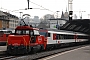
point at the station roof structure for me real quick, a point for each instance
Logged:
(77, 25)
(59, 19)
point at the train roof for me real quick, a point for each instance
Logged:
(5, 30)
(49, 29)
(64, 32)
(26, 27)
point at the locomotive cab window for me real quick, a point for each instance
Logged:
(27, 32)
(31, 33)
(24, 32)
(36, 32)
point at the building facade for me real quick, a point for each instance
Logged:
(13, 23)
(4, 21)
(8, 20)
(54, 24)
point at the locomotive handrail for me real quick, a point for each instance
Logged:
(25, 40)
(32, 37)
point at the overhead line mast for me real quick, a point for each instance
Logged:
(70, 9)
(28, 3)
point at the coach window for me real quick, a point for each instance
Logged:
(83, 37)
(79, 37)
(58, 36)
(1, 33)
(65, 36)
(62, 37)
(71, 36)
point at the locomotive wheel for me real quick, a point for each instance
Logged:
(42, 48)
(33, 50)
(27, 50)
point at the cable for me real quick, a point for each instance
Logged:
(5, 9)
(42, 7)
(10, 10)
(29, 8)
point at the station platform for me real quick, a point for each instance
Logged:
(82, 53)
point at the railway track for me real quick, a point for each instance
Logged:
(5, 56)
(38, 55)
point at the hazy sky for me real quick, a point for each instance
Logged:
(52, 5)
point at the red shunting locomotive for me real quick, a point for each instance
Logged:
(25, 39)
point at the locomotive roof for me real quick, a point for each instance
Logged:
(26, 27)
